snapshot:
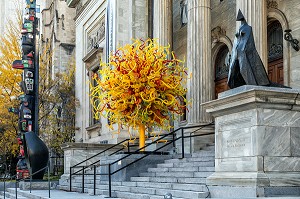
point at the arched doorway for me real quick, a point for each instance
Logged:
(275, 52)
(221, 70)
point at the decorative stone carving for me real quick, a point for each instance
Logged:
(96, 36)
(216, 33)
(272, 4)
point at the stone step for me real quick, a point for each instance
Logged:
(193, 159)
(146, 193)
(203, 154)
(183, 174)
(147, 174)
(208, 148)
(86, 185)
(202, 174)
(169, 180)
(176, 186)
(211, 169)
(153, 179)
(158, 169)
(180, 169)
(77, 188)
(128, 195)
(125, 186)
(85, 180)
(187, 164)
(192, 180)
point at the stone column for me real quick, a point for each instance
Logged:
(200, 86)
(162, 21)
(255, 12)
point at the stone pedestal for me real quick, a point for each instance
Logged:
(257, 142)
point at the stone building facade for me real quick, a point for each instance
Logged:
(256, 131)
(200, 31)
(7, 12)
(101, 26)
(57, 28)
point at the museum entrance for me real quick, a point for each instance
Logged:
(275, 52)
(221, 70)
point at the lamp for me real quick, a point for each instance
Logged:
(288, 37)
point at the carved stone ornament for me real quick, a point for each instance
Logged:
(94, 38)
(216, 33)
(272, 4)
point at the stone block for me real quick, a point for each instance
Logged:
(286, 179)
(234, 192)
(250, 179)
(235, 143)
(273, 141)
(248, 164)
(295, 141)
(282, 164)
(273, 117)
(282, 191)
(35, 185)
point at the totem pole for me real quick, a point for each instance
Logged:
(33, 150)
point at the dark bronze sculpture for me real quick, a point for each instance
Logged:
(246, 67)
(36, 154)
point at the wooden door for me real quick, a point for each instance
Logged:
(275, 71)
(221, 70)
(221, 86)
(275, 52)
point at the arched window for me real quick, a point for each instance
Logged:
(221, 70)
(275, 52)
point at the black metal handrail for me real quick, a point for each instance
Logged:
(94, 163)
(141, 150)
(29, 177)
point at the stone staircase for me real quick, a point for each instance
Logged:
(183, 178)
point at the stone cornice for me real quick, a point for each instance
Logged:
(247, 97)
(74, 145)
(91, 54)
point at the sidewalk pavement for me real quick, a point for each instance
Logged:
(59, 194)
(55, 194)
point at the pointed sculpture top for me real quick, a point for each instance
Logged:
(240, 16)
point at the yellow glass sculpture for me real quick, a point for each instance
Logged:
(143, 85)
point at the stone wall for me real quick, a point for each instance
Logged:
(223, 14)
(130, 21)
(290, 9)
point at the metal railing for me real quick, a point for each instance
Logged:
(140, 151)
(56, 164)
(30, 181)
